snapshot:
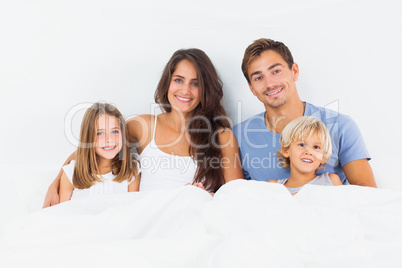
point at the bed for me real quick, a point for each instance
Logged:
(246, 224)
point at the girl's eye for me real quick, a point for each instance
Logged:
(99, 133)
(302, 145)
(115, 132)
(316, 147)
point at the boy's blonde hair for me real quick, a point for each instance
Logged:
(304, 127)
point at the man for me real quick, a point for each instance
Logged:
(271, 75)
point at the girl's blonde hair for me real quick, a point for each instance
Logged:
(304, 127)
(86, 167)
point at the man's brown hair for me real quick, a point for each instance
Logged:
(254, 50)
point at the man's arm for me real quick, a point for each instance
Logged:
(359, 172)
(52, 196)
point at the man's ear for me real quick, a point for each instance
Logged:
(295, 71)
(251, 88)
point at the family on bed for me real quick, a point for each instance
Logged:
(292, 142)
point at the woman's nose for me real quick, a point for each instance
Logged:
(186, 88)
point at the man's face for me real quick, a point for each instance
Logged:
(271, 80)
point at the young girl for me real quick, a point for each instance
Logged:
(305, 148)
(103, 163)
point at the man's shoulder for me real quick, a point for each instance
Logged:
(254, 121)
(327, 114)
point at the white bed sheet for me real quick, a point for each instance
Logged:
(246, 224)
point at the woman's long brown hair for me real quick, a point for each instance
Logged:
(209, 114)
(86, 167)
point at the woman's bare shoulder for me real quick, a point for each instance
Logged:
(139, 128)
(140, 119)
(226, 136)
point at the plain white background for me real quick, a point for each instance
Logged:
(55, 55)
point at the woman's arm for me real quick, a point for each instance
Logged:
(134, 186)
(139, 131)
(230, 162)
(52, 195)
(66, 188)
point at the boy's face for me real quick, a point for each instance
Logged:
(305, 155)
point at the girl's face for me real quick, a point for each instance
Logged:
(109, 139)
(183, 91)
(305, 155)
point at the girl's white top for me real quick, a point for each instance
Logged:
(107, 186)
(160, 170)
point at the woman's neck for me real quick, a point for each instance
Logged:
(178, 120)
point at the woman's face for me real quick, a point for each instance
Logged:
(183, 91)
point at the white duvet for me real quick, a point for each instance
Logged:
(246, 224)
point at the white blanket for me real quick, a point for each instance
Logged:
(246, 224)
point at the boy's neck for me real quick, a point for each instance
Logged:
(298, 179)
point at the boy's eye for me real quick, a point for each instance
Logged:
(316, 147)
(302, 145)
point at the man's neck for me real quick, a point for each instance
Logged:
(277, 118)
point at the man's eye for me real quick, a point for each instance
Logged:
(258, 78)
(276, 71)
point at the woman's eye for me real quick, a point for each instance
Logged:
(115, 132)
(99, 133)
(194, 84)
(178, 80)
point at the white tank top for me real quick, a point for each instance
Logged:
(107, 186)
(160, 170)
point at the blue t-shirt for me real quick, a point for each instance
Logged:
(258, 145)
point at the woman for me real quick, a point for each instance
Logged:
(192, 136)
(191, 141)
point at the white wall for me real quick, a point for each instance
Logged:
(57, 54)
